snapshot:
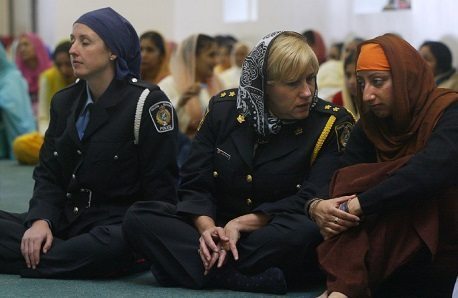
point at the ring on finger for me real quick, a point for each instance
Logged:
(336, 220)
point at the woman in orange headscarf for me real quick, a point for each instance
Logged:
(402, 160)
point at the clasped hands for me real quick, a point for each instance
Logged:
(331, 220)
(215, 243)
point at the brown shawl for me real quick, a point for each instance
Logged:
(359, 259)
(417, 105)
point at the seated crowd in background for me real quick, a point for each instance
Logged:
(27, 147)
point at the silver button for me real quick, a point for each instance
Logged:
(298, 186)
(68, 195)
(73, 176)
(115, 157)
(75, 210)
(249, 178)
(134, 80)
(215, 174)
(79, 152)
(55, 153)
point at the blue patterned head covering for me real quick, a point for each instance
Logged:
(119, 36)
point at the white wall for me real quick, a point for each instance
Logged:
(335, 19)
(426, 20)
(4, 21)
(56, 17)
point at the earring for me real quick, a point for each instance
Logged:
(112, 58)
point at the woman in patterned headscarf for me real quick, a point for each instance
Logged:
(404, 163)
(261, 151)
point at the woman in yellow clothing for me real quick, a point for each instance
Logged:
(27, 147)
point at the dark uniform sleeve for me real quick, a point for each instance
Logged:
(195, 192)
(316, 184)
(48, 194)
(158, 148)
(431, 170)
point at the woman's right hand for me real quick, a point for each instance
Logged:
(330, 219)
(191, 92)
(210, 246)
(36, 239)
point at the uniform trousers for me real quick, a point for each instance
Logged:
(87, 255)
(170, 242)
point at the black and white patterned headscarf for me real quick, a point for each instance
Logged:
(250, 97)
(251, 94)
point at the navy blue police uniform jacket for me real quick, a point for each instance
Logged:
(80, 184)
(230, 172)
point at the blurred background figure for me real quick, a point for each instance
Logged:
(16, 116)
(347, 96)
(350, 46)
(335, 51)
(439, 57)
(334, 75)
(32, 58)
(316, 42)
(225, 45)
(154, 65)
(192, 81)
(52, 80)
(60, 75)
(230, 78)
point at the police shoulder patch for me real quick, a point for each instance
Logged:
(343, 131)
(162, 115)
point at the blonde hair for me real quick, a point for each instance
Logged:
(290, 57)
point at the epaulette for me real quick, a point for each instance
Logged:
(327, 107)
(142, 84)
(342, 130)
(229, 94)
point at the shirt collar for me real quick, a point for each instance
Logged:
(89, 100)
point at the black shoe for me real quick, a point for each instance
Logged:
(271, 281)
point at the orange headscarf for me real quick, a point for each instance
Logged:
(372, 57)
(417, 103)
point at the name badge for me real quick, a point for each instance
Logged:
(223, 153)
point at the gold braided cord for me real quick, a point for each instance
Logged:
(203, 118)
(323, 136)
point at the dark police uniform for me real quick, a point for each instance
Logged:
(84, 187)
(230, 173)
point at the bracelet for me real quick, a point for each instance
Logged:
(312, 207)
(307, 206)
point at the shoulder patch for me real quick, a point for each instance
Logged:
(162, 115)
(343, 131)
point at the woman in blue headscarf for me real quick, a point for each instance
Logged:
(16, 115)
(100, 154)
